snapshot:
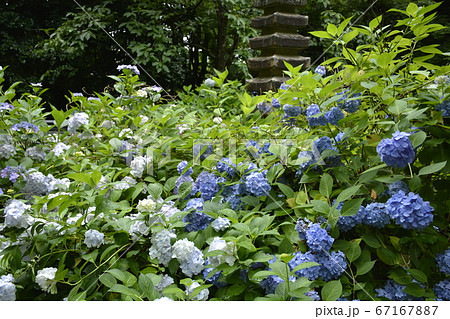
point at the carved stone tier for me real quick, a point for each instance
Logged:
(278, 42)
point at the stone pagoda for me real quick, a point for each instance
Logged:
(278, 42)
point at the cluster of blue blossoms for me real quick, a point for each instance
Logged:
(314, 117)
(397, 151)
(442, 289)
(349, 104)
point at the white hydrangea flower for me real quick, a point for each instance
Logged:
(146, 205)
(168, 210)
(144, 119)
(138, 165)
(166, 281)
(201, 296)
(76, 121)
(94, 238)
(141, 93)
(74, 219)
(60, 148)
(16, 214)
(138, 230)
(7, 288)
(7, 150)
(126, 132)
(182, 128)
(227, 248)
(162, 247)
(220, 223)
(125, 183)
(45, 278)
(190, 257)
(217, 120)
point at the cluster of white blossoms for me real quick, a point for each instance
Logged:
(45, 278)
(94, 238)
(190, 257)
(138, 166)
(220, 223)
(60, 148)
(125, 183)
(166, 281)
(39, 184)
(182, 128)
(7, 288)
(147, 205)
(76, 121)
(126, 132)
(16, 214)
(161, 248)
(228, 250)
(201, 296)
(139, 229)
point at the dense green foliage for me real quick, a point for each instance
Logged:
(126, 189)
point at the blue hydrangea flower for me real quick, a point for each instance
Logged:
(182, 166)
(409, 210)
(314, 295)
(397, 186)
(397, 151)
(320, 145)
(348, 105)
(393, 291)
(291, 111)
(196, 220)
(318, 239)
(276, 103)
(443, 261)
(306, 159)
(7, 288)
(12, 172)
(302, 226)
(207, 184)
(333, 265)
(312, 273)
(334, 115)
(376, 215)
(312, 116)
(1, 191)
(442, 290)
(285, 86)
(25, 126)
(442, 79)
(210, 82)
(321, 70)
(226, 165)
(270, 284)
(444, 107)
(256, 184)
(183, 179)
(214, 278)
(340, 137)
(264, 108)
(347, 223)
(6, 106)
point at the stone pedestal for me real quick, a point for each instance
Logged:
(278, 42)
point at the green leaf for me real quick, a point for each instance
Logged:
(400, 276)
(332, 29)
(398, 107)
(321, 34)
(433, 168)
(155, 190)
(343, 25)
(365, 267)
(117, 273)
(414, 289)
(287, 191)
(58, 115)
(373, 24)
(353, 251)
(347, 193)
(350, 36)
(305, 265)
(326, 185)
(320, 206)
(108, 280)
(332, 290)
(147, 287)
(85, 178)
(418, 138)
(235, 290)
(91, 257)
(412, 9)
(96, 176)
(125, 291)
(418, 275)
(351, 207)
(371, 240)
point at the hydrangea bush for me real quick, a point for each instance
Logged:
(334, 187)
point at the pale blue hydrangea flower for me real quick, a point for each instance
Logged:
(443, 261)
(35, 153)
(7, 288)
(312, 273)
(182, 166)
(161, 248)
(409, 210)
(207, 184)
(228, 250)
(314, 295)
(166, 281)
(25, 126)
(138, 165)
(7, 151)
(306, 159)
(313, 117)
(210, 82)
(302, 226)
(333, 265)
(60, 148)
(12, 172)
(190, 257)
(76, 121)
(6, 106)
(322, 144)
(94, 238)
(16, 214)
(225, 165)
(132, 68)
(276, 103)
(397, 151)
(393, 291)
(45, 278)
(201, 296)
(321, 70)
(264, 107)
(221, 223)
(397, 186)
